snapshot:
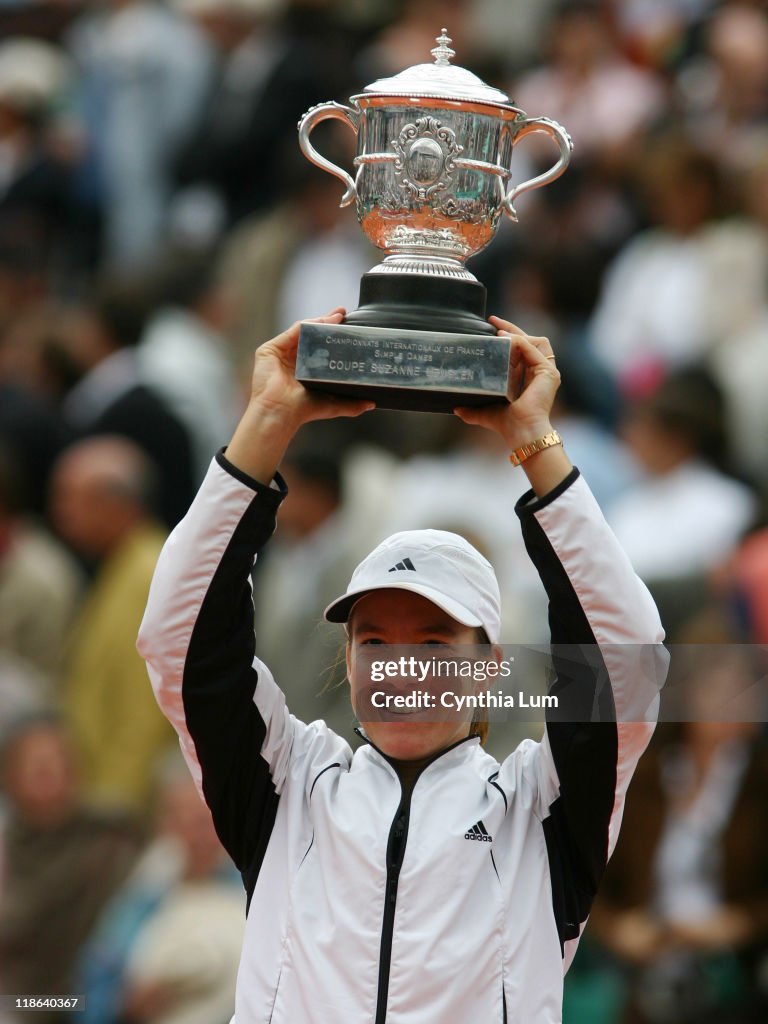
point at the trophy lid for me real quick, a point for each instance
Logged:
(441, 80)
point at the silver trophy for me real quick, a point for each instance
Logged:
(433, 163)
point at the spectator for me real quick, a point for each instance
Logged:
(60, 862)
(37, 203)
(740, 360)
(409, 36)
(744, 582)
(182, 891)
(639, 339)
(32, 428)
(656, 32)
(184, 356)
(23, 690)
(143, 74)
(100, 504)
(603, 459)
(40, 586)
(270, 70)
(510, 33)
(724, 90)
(573, 230)
(606, 102)
(686, 515)
(684, 902)
(100, 341)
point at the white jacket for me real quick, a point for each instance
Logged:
(361, 910)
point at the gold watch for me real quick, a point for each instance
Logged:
(519, 455)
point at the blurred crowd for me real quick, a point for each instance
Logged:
(157, 223)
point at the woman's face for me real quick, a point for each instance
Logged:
(399, 617)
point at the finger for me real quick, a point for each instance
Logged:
(338, 311)
(534, 354)
(506, 326)
(517, 365)
(527, 362)
(478, 416)
(330, 407)
(542, 344)
(328, 318)
(467, 414)
(538, 341)
(512, 330)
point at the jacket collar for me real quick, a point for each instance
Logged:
(449, 756)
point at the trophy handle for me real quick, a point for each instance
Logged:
(326, 112)
(565, 144)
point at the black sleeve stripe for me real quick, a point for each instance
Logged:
(218, 687)
(336, 764)
(249, 481)
(528, 503)
(493, 861)
(503, 794)
(585, 754)
(311, 844)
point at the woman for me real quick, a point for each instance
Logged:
(366, 901)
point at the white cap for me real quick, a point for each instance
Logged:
(441, 566)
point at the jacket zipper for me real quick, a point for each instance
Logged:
(395, 851)
(398, 834)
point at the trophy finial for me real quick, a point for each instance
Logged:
(442, 52)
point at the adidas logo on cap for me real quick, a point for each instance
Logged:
(405, 564)
(442, 567)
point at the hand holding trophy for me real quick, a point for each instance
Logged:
(433, 163)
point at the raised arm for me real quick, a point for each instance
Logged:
(606, 637)
(279, 405)
(534, 381)
(197, 634)
(610, 665)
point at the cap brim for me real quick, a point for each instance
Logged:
(340, 609)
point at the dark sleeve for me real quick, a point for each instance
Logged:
(601, 621)
(197, 638)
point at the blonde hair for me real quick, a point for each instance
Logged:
(480, 725)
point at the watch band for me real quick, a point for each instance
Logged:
(519, 455)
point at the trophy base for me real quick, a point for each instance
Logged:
(399, 369)
(421, 303)
(414, 343)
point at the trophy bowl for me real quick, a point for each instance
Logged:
(431, 185)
